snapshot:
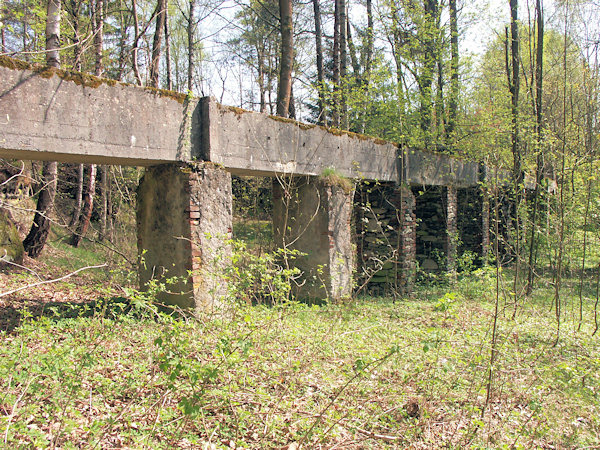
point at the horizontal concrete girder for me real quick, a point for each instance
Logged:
(49, 114)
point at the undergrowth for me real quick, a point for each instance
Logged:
(367, 373)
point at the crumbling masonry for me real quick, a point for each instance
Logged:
(404, 209)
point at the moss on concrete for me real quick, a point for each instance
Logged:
(330, 177)
(81, 78)
(11, 247)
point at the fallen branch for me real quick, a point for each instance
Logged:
(3, 294)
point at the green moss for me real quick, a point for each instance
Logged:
(11, 247)
(331, 177)
(80, 78)
(14, 64)
(167, 94)
(234, 109)
(301, 125)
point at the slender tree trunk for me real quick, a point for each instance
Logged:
(88, 204)
(104, 194)
(336, 65)
(78, 197)
(514, 86)
(53, 33)
(74, 10)
(168, 52)
(454, 87)
(98, 26)
(539, 171)
(191, 32)
(319, 50)
(161, 8)
(287, 58)
(124, 26)
(397, 44)
(425, 78)
(135, 46)
(370, 43)
(38, 234)
(343, 65)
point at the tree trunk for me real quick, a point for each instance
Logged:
(53, 33)
(539, 142)
(336, 65)
(454, 87)
(88, 204)
(287, 58)
(135, 46)
(98, 26)
(38, 234)
(168, 52)
(425, 78)
(319, 50)
(74, 11)
(78, 197)
(161, 10)
(343, 65)
(190, 43)
(104, 194)
(370, 43)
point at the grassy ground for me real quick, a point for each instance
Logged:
(367, 373)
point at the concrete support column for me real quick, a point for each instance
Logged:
(184, 219)
(407, 235)
(314, 216)
(451, 229)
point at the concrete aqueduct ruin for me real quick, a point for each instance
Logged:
(407, 206)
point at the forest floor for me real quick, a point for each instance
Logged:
(88, 362)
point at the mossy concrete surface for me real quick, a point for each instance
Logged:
(57, 115)
(11, 247)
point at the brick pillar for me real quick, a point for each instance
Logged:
(407, 235)
(313, 216)
(451, 229)
(184, 218)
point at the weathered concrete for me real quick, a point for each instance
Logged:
(184, 218)
(49, 114)
(52, 115)
(314, 217)
(258, 144)
(11, 247)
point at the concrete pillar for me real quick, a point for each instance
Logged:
(405, 203)
(451, 229)
(314, 216)
(184, 219)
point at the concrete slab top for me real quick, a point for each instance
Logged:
(50, 114)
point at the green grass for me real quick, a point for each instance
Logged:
(255, 233)
(368, 373)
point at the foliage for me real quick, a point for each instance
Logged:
(371, 372)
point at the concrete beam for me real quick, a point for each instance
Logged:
(256, 144)
(49, 114)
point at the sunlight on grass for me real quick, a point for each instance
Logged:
(369, 373)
